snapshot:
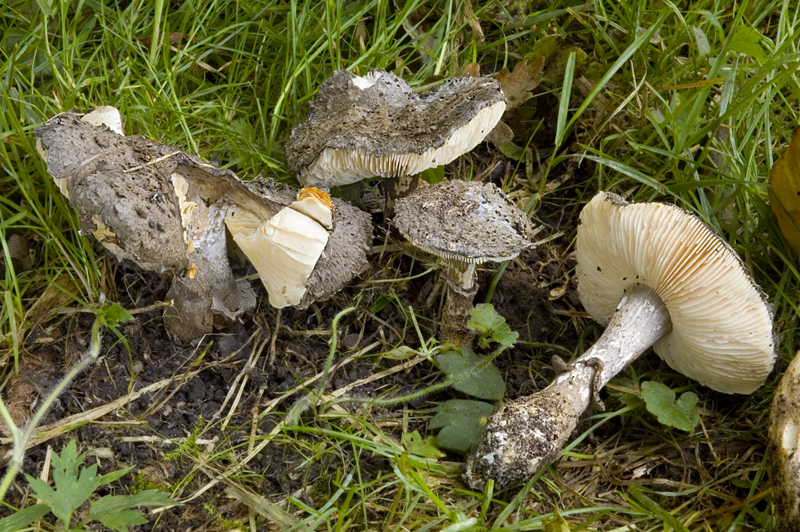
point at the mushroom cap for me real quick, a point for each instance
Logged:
(377, 126)
(134, 214)
(721, 323)
(464, 221)
(304, 250)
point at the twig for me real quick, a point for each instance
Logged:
(154, 161)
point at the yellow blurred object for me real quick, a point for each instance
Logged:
(784, 192)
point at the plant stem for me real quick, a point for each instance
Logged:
(21, 439)
(525, 435)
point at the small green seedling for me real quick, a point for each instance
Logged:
(660, 401)
(414, 443)
(73, 487)
(491, 327)
(462, 422)
(485, 383)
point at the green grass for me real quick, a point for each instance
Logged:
(677, 109)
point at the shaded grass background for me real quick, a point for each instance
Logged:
(680, 106)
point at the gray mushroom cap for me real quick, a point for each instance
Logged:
(470, 222)
(167, 210)
(377, 126)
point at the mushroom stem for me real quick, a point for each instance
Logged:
(461, 290)
(397, 187)
(527, 434)
(783, 460)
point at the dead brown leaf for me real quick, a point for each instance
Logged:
(500, 134)
(518, 84)
(472, 69)
(433, 79)
(784, 192)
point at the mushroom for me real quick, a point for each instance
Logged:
(167, 210)
(137, 198)
(306, 251)
(464, 224)
(657, 276)
(359, 128)
(783, 458)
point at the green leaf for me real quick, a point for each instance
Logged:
(512, 151)
(48, 496)
(462, 423)
(46, 6)
(745, 40)
(556, 523)
(660, 401)
(69, 460)
(416, 444)
(563, 105)
(650, 506)
(491, 325)
(111, 477)
(546, 46)
(114, 511)
(433, 175)
(700, 39)
(77, 491)
(485, 383)
(22, 518)
(113, 315)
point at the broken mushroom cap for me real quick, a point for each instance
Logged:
(464, 223)
(155, 205)
(305, 252)
(133, 214)
(359, 128)
(783, 458)
(721, 323)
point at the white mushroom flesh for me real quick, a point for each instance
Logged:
(187, 208)
(367, 81)
(105, 115)
(284, 250)
(341, 167)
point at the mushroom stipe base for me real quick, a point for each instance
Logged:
(527, 434)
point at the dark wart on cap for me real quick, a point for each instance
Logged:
(657, 276)
(362, 127)
(465, 224)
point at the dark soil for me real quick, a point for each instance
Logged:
(536, 295)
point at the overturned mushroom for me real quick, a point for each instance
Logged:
(136, 198)
(359, 128)
(166, 211)
(464, 224)
(657, 276)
